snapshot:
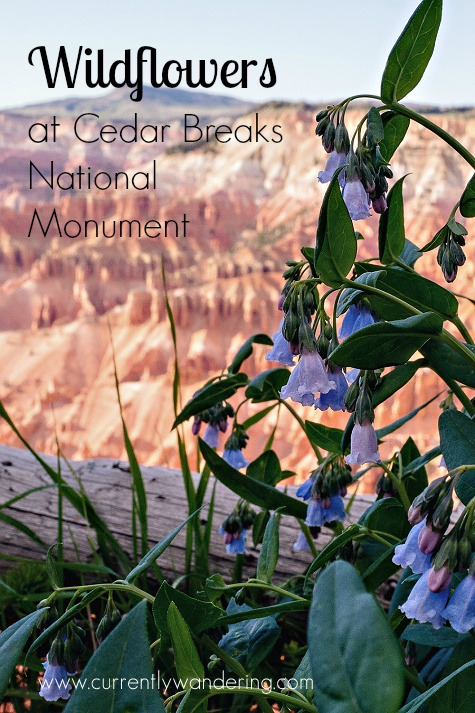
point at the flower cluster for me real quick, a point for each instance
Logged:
(359, 400)
(216, 419)
(436, 557)
(364, 178)
(234, 529)
(61, 663)
(324, 491)
(233, 448)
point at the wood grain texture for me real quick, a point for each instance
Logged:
(107, 483)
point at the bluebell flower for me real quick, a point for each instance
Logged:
(334, 399)
(308, 377)
(211, 436)
(281, 350)
(356, 199)
(409, 554)
(235, 543)
(364, 444)
(301, 543)
(426, 606)
(460, 611)
(352, 375)
(304, 490)
(55, 683)
(318, 515)
(334, 161)
(357, 316)
(235, 458)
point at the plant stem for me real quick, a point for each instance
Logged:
(463, 330)
(294, 413)
(256, 584)
(290, 701)
(308, 536)
(399, 485)
(414, 680)
(441, 133)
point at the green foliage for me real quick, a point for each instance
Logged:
(387, 343)
(124, 655)
(355, 658)
(411, 53)
(12, 643)
(335, 249)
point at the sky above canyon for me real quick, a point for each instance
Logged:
(322, 50)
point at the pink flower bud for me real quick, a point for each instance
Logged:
(429, 540)
(439, 579)
(223, 426)
(280, 302)
(325, 502)
(414, 515)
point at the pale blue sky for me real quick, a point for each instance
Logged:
(322, 49)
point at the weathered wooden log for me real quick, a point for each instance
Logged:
(107, 484)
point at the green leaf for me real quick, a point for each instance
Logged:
(214, 587)
(153, 554)
(266, 468)
(324, 436)
(249, 642)
(266, 385)
(198, 615)
(355, 658)
(21, 527)
(457, 441)
(459, 694)
(269, 554)
(123, 656)
(12, 643)
(335, 249)
(450, 363)
(395, 129)
(257, 493)
(210, 395)
(375, 561)
(410, 253)
(414, 480)
(436, 240)
(426, 635)
(187, 661)
(375, 127)
(416, 703)
(259, 526)
(414, 289)
(255, 418)
(387, 343)
(280, 609)
(246, 350)
(410, 55)
(333, 547)
(395, 380)
(391, 225)
(395, 425)
(467, 202)
(386, 515)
